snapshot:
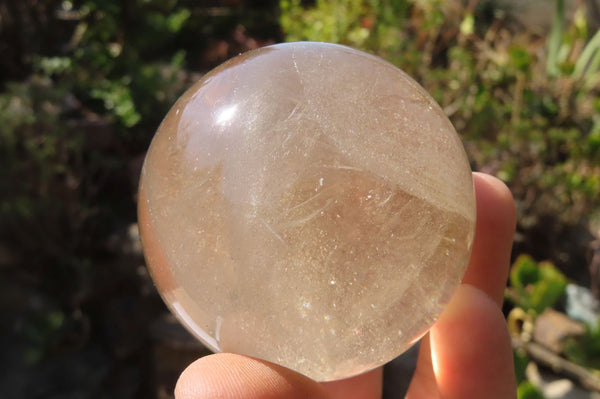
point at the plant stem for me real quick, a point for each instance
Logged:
(555, 38)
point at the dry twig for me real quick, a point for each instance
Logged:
(545, 357)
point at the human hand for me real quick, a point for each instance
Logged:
(467, 353)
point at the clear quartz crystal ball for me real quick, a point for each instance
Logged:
(307, 204)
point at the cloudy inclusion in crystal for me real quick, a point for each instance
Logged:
(307, 204)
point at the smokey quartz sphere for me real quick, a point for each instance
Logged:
(307, 204)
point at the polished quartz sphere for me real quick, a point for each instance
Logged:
(307, 204)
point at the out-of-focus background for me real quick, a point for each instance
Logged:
(84, 85)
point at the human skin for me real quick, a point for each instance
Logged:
(467, 353)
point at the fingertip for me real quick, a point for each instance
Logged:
(493, 194)
(227, 375)
(495, 227)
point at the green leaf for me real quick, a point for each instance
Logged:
(527, 390)
(520, 58)
(467, 26)
(588, 63)
(53, 65)
(585, 350)
(555, 39)
(549, 289)
(537, 286)
(118, 100)
(521, 361)
(177, 20)
(524, 272)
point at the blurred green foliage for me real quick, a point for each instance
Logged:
(585, 350)
(67, 127)
(83, 86)
(42, 331)
(526, 390)
(535, 286)
(521, 361)
(364, 24)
